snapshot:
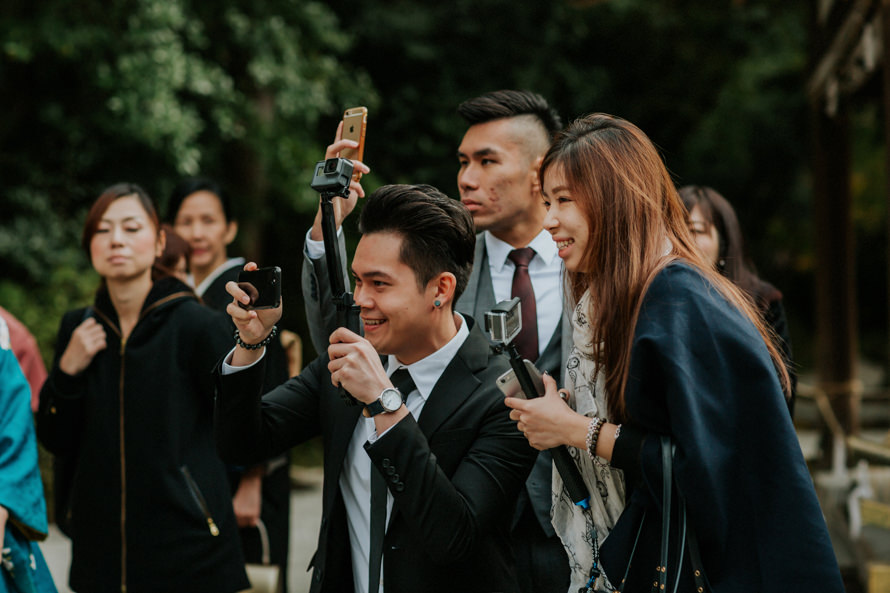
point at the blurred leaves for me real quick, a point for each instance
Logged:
(150, 91)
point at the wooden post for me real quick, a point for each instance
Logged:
(835, 268)
(884, 21)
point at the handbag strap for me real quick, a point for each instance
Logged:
(264, 541)
(666, 488)
(686, 535)
(698, 568)
(632, 551)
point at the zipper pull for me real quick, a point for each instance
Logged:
(214, 530)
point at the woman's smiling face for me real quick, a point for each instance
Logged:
(565, 221)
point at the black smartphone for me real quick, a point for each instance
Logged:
(263, 286)
(509, 384)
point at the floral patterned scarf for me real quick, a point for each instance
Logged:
(581, 530)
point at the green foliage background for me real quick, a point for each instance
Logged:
(250, 92)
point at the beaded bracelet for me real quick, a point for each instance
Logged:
(258, 345)
(593, 435)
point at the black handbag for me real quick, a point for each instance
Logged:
(685, 536)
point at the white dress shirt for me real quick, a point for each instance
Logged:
(545, 271)
(355, 476)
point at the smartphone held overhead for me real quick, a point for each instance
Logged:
(355, 122)
(263, 286)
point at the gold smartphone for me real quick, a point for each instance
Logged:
(355, 121)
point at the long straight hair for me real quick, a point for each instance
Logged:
(637, 226)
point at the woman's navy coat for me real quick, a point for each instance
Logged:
(701, 373)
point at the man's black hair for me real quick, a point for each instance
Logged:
(188, 186)
(510, 103)
(437, 232)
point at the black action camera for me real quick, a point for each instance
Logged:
(332, 176)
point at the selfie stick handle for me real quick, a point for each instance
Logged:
(566, 467)
(347, 311)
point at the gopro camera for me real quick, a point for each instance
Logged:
(332, 176)
(504, 321)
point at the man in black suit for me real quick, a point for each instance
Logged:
(499, 155)
(452, 460)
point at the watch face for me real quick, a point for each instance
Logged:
(391, 399)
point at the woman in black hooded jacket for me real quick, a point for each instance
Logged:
(130, 398)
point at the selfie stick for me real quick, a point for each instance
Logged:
(504, 322)
(347, 310)
(568, 471)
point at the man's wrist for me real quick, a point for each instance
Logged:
(388, 402)
(256, 346)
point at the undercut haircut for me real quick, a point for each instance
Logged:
(437, 232)
(510, 103)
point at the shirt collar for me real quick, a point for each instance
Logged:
(427, 371)
(229, 263)
(543, 244)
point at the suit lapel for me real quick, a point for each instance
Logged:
(457, 382)
(454, 387)
(467, 302)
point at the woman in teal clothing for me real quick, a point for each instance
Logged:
(22, 508)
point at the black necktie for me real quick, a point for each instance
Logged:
(403, 382)
(527, 341)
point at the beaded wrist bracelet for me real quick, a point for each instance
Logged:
(593, 435)
(258, 345)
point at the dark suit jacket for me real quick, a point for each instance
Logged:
(459, 470)
(477, 298)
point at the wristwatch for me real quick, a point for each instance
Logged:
(390, 400)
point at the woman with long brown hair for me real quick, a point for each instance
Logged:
(130, 400)
(676, 350)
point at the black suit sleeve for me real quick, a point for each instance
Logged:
(321, 314)
(250, 427)
(448, 509)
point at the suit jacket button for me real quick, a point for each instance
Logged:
(390, 470)
(317, 575)
(399, 486)
(394, 478)
(386, 463)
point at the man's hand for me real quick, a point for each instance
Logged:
(342, 206)
(248, 499)
(254, 326)
(87, 340)
(356, 366)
